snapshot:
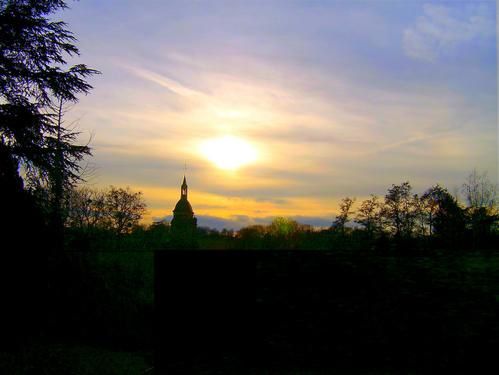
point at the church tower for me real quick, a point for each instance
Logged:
(183, 224)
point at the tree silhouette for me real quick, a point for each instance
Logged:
(443, 214)
(428, 209)
(397, 212)
(124, 209)
(85, 209)
(368, 215)
(251, 237)
(345, 212)
(479, 191)
(481, 196)
(34, 80)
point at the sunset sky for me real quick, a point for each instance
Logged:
(284, 107)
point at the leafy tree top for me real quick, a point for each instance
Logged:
(33, 53)
(34, 79)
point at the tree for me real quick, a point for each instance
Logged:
(50, 190)
(67, 156)
(118, 209)
(368, 215)
(86, 209)
(398, 210)
(33, 75)
(444, 217)
(251, 237)
(345, 212)
(479, 191)
(124, 209)
(283, 227)
(481, 196)
(34, 79)
(428, 209)
(421, 227)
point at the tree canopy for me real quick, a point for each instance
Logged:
(34, 78)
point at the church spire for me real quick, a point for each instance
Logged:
(183, 189)
(183, 224)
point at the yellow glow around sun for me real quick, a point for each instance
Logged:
(228, 152)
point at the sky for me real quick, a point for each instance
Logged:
(282, 108)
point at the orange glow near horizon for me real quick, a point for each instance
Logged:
(161, 202)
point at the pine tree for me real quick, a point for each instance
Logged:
(34, 79)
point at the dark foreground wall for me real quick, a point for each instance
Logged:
(285, 311)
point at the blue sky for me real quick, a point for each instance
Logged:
(337, 98)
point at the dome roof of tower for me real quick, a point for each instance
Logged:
(183, 206)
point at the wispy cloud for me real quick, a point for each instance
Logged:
(163, 81)
(442, 28)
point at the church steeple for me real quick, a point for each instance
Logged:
(183, 207)
(183, 224)
(183, 189)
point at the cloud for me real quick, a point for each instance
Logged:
(163, 81)
(442, 28)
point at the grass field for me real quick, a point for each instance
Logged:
(381, 298)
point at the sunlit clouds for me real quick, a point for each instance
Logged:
(297, 104)
(228, 152)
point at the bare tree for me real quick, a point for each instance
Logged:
(482, 214)
(420, 217)
(118, 209)
(65, 171)
(479, 191)
(124, 209)
(86, 208)
(345, 212)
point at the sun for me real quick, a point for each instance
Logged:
(229, 152)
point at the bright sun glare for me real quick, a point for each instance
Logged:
(228, 152)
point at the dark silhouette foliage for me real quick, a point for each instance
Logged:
(34, 82)
(369, 216)
(482, 213)
(344, 216)
(397, 211)
(446, 217)
(33, 79)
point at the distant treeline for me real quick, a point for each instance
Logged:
(435, 219)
